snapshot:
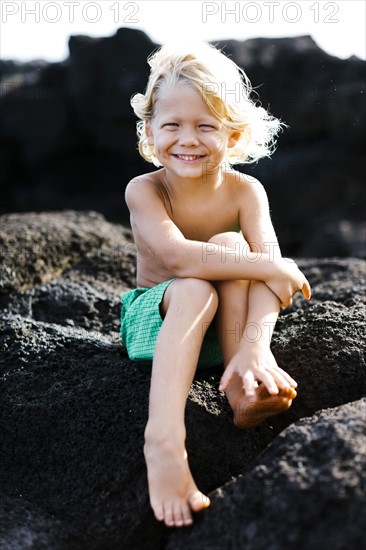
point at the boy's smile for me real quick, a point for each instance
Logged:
(189, 158)
(189, 141)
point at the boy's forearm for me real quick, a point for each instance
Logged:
(213, 262)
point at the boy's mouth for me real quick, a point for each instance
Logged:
(189, 157)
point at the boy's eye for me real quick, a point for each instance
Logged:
(170, 124)
(207, 127)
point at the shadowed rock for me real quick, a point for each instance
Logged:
(305, 491)
(36, 248)
(74, 408)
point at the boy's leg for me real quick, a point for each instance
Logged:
(231, 319)
(189, 305)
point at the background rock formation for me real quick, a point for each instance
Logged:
(74, 408)
(67, 134)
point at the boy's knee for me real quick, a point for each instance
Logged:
(229, 238)
(230, 243)
(200, 291)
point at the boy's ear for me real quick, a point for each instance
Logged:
(149, 132)
(233, 139)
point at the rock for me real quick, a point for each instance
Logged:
(61, 425)
(69, 304)
(24, 526)
(304, 491)
(36, 248)
(283, 66)
(310, 196)
(338, 238)
(74, 409)
(321, 348)
(337, 280)
(101, 115)
(74, 412)
(85, 158)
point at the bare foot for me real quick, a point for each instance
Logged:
(173, 493)
(251, 413)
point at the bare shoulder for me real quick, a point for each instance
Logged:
(249, 189)
(142, 187)
(246, 183)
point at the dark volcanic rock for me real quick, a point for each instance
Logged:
(74, 412)
(283, 66)
(74, 408)
(305, 491)
(335, 280)
(85, 158)
(65, 419)
(70, 304)
(24, 525)
(35, 248)
(323, 349)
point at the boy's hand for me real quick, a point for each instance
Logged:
(256, 362)
(287, 280)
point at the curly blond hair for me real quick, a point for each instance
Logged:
(224, 87)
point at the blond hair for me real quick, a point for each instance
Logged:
(224, 87)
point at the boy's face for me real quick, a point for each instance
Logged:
(188, 140)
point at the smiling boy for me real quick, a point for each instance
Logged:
(210, 276)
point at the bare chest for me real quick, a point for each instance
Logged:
(201, 220)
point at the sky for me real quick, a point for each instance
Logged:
(31, 30)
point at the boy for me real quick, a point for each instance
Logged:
(210, 276)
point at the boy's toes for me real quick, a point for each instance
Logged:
(169, 517)
(262, 392)
(289, 393)
(177, 514)
(198, 501)
(186, 514)
(159, 512)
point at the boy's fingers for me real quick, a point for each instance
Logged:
(286, 375)
(269, 382)
(290, 380)
(306, 290)
(225, 379)
(282, 381)
(287, 303)
(249, 384)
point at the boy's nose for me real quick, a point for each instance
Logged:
(188, 137)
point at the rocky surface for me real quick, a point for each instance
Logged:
(74, 408)
(304, 491)
(315, 180)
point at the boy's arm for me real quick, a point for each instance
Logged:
(254, 361)
(258, 230)
(255, 219)
(187, 258)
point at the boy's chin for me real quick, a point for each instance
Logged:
(186, 171)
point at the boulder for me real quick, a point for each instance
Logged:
(304, 491)
(35, 248)
(74, 408)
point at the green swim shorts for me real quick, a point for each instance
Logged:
(141, 322)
